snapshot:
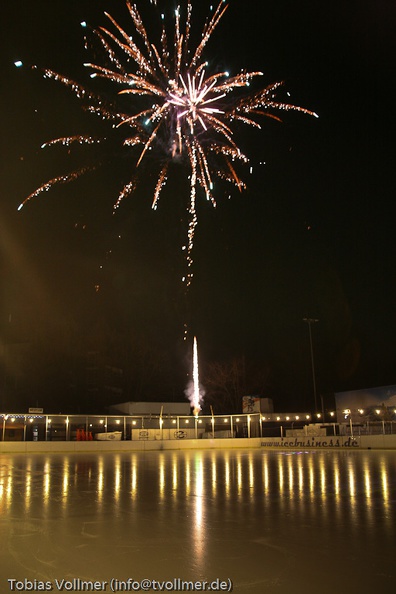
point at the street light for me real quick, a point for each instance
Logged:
(311, 321)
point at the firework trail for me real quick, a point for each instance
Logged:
(194, 392)
(176, 109)
(197, 396)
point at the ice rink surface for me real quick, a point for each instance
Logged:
(271, 522)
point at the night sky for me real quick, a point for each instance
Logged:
(313, 235)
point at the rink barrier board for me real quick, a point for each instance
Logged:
(364, 442)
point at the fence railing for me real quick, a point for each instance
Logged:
(36, 427)
(44, 427)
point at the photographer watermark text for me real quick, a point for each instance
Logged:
(116, 585)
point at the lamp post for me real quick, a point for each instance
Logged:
(311, 321)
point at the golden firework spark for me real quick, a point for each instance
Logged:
(177, 108)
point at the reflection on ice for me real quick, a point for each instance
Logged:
(264, 519)
(100, 479)
(230, 475)
(161, 474)
(336, 480)
(384, 481)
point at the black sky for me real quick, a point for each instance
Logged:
(312, 236)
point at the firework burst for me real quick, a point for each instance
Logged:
(176, 108)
